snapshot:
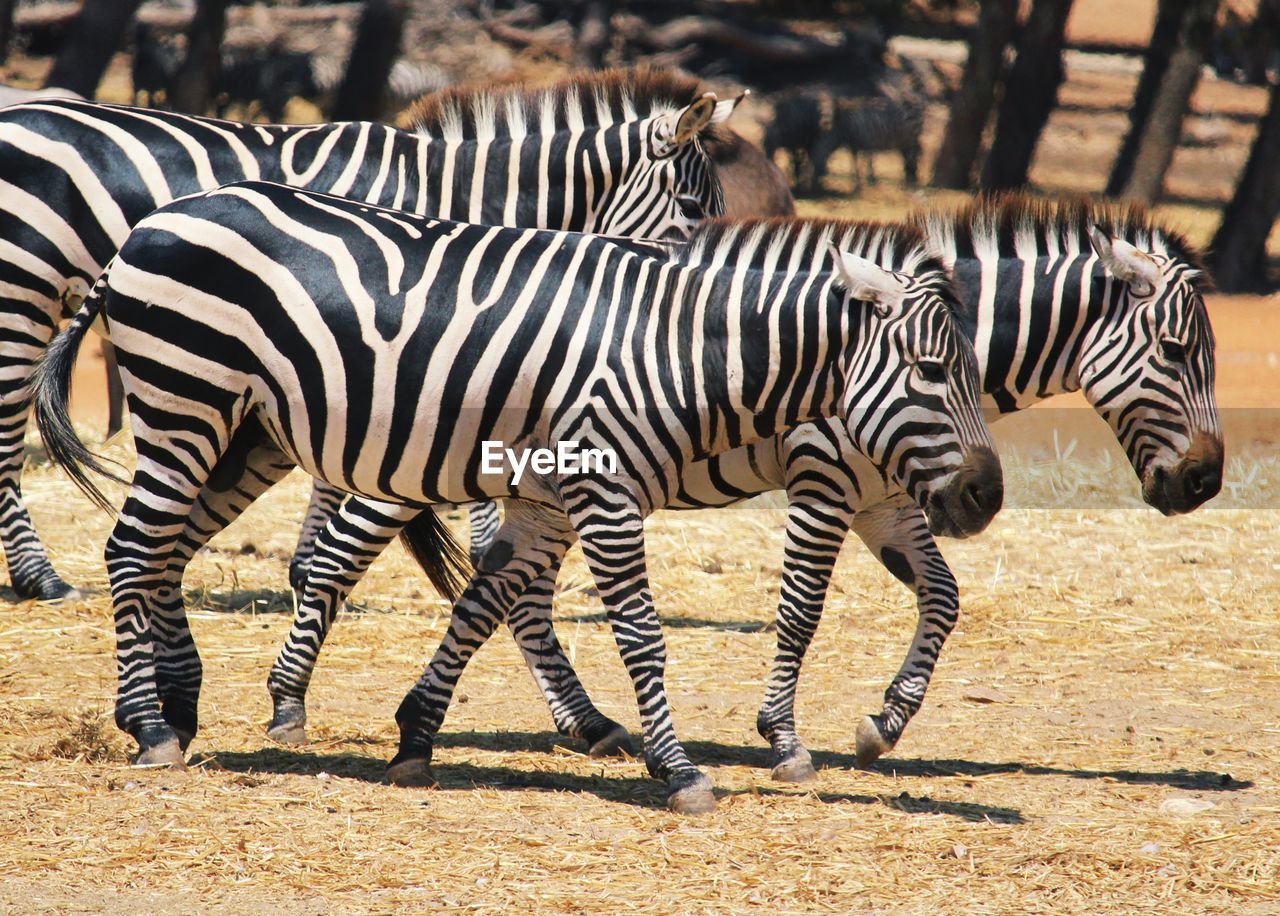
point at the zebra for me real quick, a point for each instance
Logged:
(611, 152)
(385, 352)
(1057, 296)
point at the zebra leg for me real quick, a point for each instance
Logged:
(341, 554)
(25, 332)
(147, 601)
(896, 532)
(571, 708)
(251, 464)
(612, 533)
(531, 540)
(484, 519)
(816, 528)
(325, 501)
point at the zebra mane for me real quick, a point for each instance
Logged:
(756, 242)
(596, 98)
(998, 223)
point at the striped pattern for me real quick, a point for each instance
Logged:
(385, 349)
(597, 153)
(1045, 311)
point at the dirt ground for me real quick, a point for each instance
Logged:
(1101, 734)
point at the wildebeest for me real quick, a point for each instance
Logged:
(812, 123)
(753, 185)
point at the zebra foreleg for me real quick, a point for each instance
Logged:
(25, 332)
(341, 554)
(816, 528)
(574, 714)
(897, 533)
(612, 533)
(531, 540)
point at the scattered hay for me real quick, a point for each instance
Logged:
(90, 737)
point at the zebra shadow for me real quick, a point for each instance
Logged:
(714, 753)
(1180, 778)
(680, 622)
(636, 791)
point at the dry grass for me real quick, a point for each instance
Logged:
(1136, 661)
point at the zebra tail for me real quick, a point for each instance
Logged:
(441, 557)
(51, 382)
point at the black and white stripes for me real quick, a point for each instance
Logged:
(609, 152)
(381, 351)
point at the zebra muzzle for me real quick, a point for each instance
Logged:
(969, 499)
(1191, 482)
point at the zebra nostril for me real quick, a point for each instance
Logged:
(1195, 482)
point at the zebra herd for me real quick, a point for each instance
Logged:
(379, 307)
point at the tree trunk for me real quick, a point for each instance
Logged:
(971, 107)
(194, 83)
(6, 27)
(95, 35)
(362, 95)
(1154, 64)
(1239, 259)
(1163, 127)
(1031, 92)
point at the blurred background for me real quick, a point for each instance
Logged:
(863, 103)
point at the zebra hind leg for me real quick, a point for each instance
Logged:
(484, 519)
(341, 554)
(816, 528)
(251, 464)
(898, 535)
(325, 500)
(531, 540)
(572, 711)
(23, 338)
(147, 601)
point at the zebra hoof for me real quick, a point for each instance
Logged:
(165, 754)
(871, 745)
(288, 733)
(414, 773)
(614, 744)
(691, 795)
(48, 590)
(796, 768)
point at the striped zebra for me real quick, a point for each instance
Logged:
(609, 152)
(1057, 296)
(386, 353)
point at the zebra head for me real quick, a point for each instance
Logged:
(912, 395)
(671, 185)
(1147, 368)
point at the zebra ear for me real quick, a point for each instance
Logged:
(727, 107)
(867, 281)
(694, 118)
(1126, 263)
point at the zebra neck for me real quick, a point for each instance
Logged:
(758, 354)
(1028, 321)
(487, 181)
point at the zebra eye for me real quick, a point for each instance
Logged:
(1173, 350)
(691, 207)
(931, 372)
